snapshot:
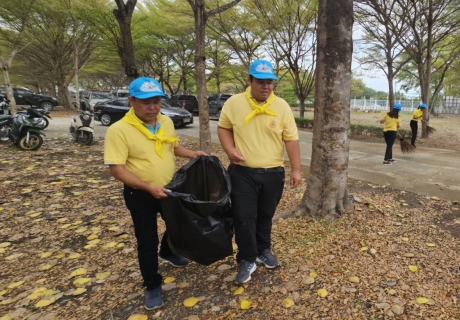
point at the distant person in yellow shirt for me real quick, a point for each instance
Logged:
(392, 122)
(416, 116)
(255, 127)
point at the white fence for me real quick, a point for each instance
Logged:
(448, 105)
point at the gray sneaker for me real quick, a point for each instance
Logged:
(268, 259)
(245, 269)
(153, 299)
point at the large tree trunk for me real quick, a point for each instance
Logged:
(5, 65)
(327, 194)
(123, 15)
(200, 75)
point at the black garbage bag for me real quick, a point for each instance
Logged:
(197, 211)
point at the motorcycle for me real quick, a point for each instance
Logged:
(82, 127)
(22, 129)
(42, 116)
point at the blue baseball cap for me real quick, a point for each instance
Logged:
(144, 88)
(422, 105)
(398, 106)
(262, 69)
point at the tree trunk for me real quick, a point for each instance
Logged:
(327, 194)
(200, 76)
(9, 88)
(123, 15)
(77, 85)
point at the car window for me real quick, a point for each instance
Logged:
(190, 98)
(24, 92)
(102, 95)
(224, 97)
(119, 103)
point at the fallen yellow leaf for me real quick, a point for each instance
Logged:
(78, 272)
(65, 226)
(435, 198)
(2, 250)
(82, 282)
(3, 292)
(405, 239)
(6, 317)
(15, 284)
(138, 316)
(413, 268)
(245, 304)
(313, 275)
(354, 279)
(74, 256)
(110, 245)
(190, 302)
(45, 302)
(287, 303)
(431, 245)
(92, 236)
(169, 280)
(421, 300)
(46, 255)
(37, 293)
(102, 275)
(5, 244)
(78, 291)
(238, 291)
(322, 292)
(60, 255)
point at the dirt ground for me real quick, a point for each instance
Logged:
(67, 251)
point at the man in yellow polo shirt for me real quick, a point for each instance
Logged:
(254, 129)
(139, 150)
(416, 116)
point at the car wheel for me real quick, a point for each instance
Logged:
(106, 119)
(48, 106)
(35, 142)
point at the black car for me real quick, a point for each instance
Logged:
(21, 95)
(108, 112)
(215, 104)
(184, 101)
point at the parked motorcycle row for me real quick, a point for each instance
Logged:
(25, 128)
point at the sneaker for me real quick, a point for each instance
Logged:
(175, 260)
(245, 269)
(153, 299)
(387, 163)
(391, 160)
(268, 259)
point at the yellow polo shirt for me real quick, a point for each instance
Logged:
(126, 145)
(391, 124)
(417, 115)
(261, 140)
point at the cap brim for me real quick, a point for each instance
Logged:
(147, 95)
(263, 76)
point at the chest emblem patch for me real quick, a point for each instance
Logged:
(273, 124)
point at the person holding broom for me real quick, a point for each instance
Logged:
(416, 116)
(392, 123)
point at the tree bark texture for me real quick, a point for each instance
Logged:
(326, 195)
(123, 15)
(200, 76)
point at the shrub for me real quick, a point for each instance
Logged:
(356, 129)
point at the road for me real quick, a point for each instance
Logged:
(430, 172)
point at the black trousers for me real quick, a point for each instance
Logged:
(254, 197)
(144, 208)
(390, 137)
(414, 128)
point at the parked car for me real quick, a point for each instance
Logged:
(90, 98)
(108, 112)
(120, 93)
(215, 104)
(39, 100)
(73, 96)
(185, 101)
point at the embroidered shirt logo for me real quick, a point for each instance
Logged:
(273, 125)
(149, 87)
(264, 68)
